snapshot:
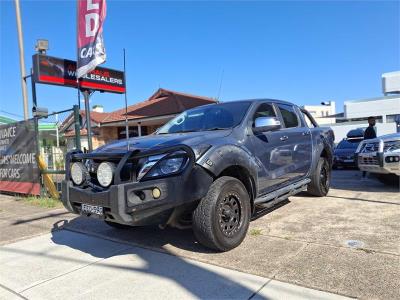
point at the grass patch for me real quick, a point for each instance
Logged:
(255, 232)
(44, 202)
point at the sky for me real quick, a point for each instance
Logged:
(302, 51)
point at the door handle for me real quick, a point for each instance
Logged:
(284, 138)
(306, 133)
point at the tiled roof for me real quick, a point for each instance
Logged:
(70, 133)
(95, 116)
(163, 102)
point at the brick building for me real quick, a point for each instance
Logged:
(143, 117)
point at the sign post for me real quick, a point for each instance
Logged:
(86, 96)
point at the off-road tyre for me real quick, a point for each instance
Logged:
(222, 217)
(118, 225)
(320, 179)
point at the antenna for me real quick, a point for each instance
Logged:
(220, 85)
(126, 106)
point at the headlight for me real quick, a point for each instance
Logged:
(105, 173)
(78, 173)
(171, 165)
(161, 165)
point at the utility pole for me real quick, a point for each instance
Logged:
(21, 59)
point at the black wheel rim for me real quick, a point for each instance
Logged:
(229, 214)
(324, 177)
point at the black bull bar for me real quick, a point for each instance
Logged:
(123, 157)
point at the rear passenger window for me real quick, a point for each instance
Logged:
(289, 115)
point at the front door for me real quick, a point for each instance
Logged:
(271, 151)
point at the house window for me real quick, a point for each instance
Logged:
(133, 132)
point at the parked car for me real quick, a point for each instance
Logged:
(214, 163)
(381, 156)
(344, 153)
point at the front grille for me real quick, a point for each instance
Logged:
(346, 156)
(371, 160)
(370, 147)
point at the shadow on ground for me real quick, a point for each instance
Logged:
(196, 280)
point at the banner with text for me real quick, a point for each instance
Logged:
(91, 51)
(19, 172)
(58, 71)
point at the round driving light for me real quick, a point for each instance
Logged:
(78, 172)
(156, 193)
(105, 173)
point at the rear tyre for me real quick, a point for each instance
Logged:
(320, 179)
(117, 225)
(222, 217)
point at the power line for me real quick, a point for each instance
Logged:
(11, 114)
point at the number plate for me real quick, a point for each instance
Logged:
(348, 160)
(92, 209)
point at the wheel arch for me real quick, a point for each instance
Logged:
(244, 176)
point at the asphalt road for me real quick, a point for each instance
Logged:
(347, 243)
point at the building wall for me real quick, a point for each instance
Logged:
(382, 106)
(319, 112)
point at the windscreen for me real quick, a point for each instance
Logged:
(209, 117)
(348, 144)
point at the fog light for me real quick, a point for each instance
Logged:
(156, 193)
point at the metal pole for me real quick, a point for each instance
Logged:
(21, 59)
(57, 135)
(77, 128)
(126, 107)
(86, 96)
(33, 86)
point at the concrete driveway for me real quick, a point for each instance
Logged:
(69, 265)
(347, 243)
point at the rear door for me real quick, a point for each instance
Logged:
(297, 140)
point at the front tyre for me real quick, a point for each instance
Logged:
(320, 179)
(222, 217)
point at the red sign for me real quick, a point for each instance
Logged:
(53, 70)
(91, 51)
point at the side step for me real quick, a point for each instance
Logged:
(277, 196)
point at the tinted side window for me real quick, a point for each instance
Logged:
(289, 115)
(264, 110)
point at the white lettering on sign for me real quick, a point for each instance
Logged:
(89, 30)
(87, 52)
(90, 5)
(7, 132)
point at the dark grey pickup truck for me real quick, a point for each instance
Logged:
(210, 166)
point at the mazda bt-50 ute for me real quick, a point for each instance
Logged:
(214, 163)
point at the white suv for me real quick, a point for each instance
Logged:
(380, 155)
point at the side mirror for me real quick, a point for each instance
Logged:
(263, 124)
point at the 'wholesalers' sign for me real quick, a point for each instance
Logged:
(18, 168)
(53, 70)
